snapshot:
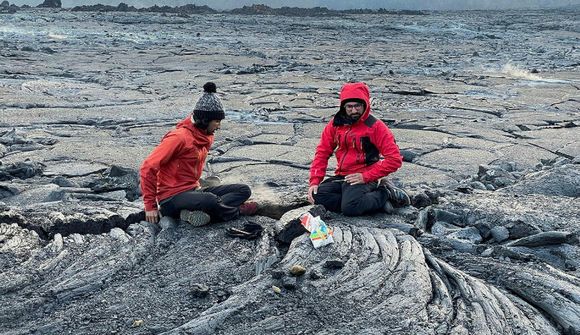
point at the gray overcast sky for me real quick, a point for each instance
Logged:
(335, 4)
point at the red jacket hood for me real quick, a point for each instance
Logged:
(200, 136)
(359, 91)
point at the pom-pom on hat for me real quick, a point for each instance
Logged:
(209, 107)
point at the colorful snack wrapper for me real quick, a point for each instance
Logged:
(320, 233)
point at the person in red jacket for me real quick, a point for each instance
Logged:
(170, 174)
(366, 153)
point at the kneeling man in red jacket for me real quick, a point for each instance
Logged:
(366, 153)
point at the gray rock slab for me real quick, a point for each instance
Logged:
(441, 228)
(259, 174)
(500, 233)
(459, 161)
(307, 143)
(470, 234)
(421, 138)
(73, 169)
(414, 174)
(524, 154)
(571, 149)
(558, 181)
(268, 152)
(505, 209)
(564, 140)
(40, 193)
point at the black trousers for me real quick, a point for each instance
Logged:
(336, 195)
(220, 202)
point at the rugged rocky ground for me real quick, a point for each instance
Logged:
(484, 105)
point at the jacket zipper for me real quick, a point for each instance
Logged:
(356, 151)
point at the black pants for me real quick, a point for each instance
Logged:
(337, 195)
(220, 202)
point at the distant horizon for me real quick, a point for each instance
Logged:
(335, 5)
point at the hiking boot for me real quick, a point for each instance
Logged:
(195, 218)
(399, 197)
(248, 208)
(396, 196)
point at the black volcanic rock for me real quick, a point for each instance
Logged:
(193, 9)
(97, 8)
(118, 178)
(123, 7)
(50, 4)
(314, 11)
(284, 11)
(186, 9)
(22, 170)
(253, 9)
(7, 8)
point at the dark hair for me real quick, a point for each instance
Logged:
(201, 123)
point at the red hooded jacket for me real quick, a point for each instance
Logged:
(366, 146)
(176, 164)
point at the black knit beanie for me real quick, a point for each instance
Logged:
(209, 107)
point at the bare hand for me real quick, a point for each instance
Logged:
(354, 179)
(312, 190)
(152, 216)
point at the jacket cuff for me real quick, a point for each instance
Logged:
(315, 181)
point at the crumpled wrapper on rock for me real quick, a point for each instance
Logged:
(320, 233)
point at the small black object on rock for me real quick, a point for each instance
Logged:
(199, 290)
(334, 264)
(250, 231)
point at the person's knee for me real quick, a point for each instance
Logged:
(330, 201)
(245, 191)
(210, 201)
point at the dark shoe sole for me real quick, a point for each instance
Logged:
(195, 218)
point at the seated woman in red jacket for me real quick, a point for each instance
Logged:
(170, 174)
(366, 153)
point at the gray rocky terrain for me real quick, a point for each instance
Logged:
(485, 107)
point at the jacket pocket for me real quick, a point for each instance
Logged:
(370, 150)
